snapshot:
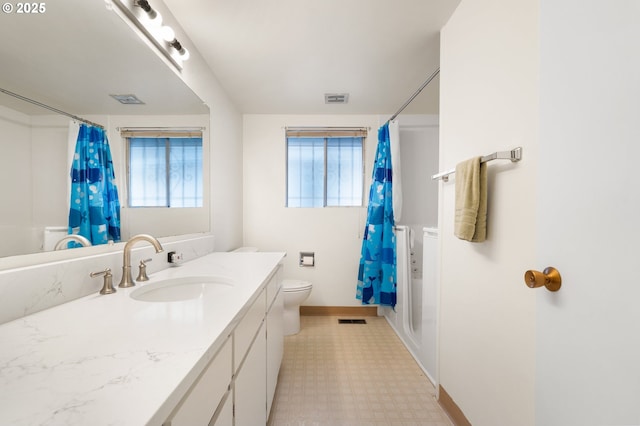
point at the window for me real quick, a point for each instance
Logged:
(164, 168)
(325, 167)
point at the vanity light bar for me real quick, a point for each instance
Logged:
(149, 22)
(167, 32)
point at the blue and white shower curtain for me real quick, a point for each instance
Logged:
(94, 210)
(377, 273)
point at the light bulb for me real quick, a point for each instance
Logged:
(154, 18)
(150, 15)
(168, 34)
(184, 54)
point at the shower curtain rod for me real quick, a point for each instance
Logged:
(417, 92)
(50, 108)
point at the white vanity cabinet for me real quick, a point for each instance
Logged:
(255, 381)
(238, 386)
(187, 360)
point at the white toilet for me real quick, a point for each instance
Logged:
(295, 292)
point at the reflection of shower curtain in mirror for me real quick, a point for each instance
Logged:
(94, 211)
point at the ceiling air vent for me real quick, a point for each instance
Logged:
(336, 98)
(127, 99)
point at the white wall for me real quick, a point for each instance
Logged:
(49, 162)
(15, 208)
(160, 222)
(334, 234)
(489, 102)
(419, 142)
(225, 132)
(32, 168)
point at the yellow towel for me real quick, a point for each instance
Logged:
(471, 200)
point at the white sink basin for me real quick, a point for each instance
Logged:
(182, 288)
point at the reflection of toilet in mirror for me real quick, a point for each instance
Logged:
(295, 292)
(53, 234)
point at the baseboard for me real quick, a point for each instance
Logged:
(451, 408)
(360, 311)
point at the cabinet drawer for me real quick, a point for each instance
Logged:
(198, 407)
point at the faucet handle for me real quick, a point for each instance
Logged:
(107, 284)
(142, 274)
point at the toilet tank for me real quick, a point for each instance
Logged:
(53, 234)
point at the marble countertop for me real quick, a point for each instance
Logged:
(112, 360)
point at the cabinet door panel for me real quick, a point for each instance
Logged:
(275, 346)
(250, 385)
(246, 329)
(225, 416)
(198, 407)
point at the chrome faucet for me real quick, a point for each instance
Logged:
(72, 237)
(127, 278)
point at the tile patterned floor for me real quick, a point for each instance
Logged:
(351, 375)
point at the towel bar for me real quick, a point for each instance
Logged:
(514, 155)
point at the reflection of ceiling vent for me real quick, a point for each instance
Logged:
(336, 98)
(127, 99)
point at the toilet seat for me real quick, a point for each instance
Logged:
(295, 285)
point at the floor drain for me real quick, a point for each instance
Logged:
(351, 321)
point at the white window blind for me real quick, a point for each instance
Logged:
(325, 167)
(164, 169)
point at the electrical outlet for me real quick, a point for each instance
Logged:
(173, 257)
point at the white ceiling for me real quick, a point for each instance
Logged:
(271, 56)
(282, 56)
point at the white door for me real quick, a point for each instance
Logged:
(588, 333)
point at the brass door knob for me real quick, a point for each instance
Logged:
(550, 278)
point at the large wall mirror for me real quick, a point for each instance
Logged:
(72, 56)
